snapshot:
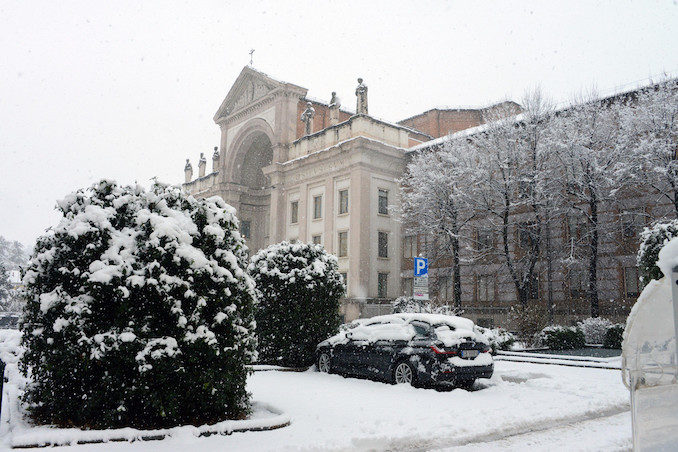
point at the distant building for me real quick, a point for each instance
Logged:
(297, 168)
(488, 293)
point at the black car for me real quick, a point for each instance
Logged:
(418, 349)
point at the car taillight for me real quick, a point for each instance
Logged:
(438, 351)
(486, 348)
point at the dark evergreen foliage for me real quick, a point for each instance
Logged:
(562, 338)
(139, 312)
(299, 287)
(653, 240)
(614, 336)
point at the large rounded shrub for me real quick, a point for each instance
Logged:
(299, 287)
(614, 336)
(558, 337)
(652, 240)
(139, 311)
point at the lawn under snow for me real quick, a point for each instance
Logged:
(543, 407)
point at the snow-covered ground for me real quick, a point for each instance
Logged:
(524, 405)
(540, 407)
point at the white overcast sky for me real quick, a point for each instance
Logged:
(127, 90)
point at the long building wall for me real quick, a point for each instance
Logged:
(620, 227)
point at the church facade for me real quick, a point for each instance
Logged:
(296, 168)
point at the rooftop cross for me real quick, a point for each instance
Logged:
(251, 53)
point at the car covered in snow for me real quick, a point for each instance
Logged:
(419, 349)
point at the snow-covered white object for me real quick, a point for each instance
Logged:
(649, 366)
(649, 345)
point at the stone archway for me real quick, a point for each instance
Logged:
(251, 151)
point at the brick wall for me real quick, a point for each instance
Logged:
(321, 119)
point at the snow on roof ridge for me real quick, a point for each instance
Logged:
(461, 133)
(461, 107)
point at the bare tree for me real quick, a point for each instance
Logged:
(434, 206)
(512, 189)
(587, 137)
(649, 125)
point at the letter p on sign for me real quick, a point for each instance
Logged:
(420, 266)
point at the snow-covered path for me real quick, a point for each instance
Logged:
(609, 433)
(547, 407)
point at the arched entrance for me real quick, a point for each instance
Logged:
(252, 153)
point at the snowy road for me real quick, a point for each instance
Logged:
(524, 405)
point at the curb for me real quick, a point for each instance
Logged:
(279, 420)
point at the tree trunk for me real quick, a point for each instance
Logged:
(593, 256)
(456, 272)
(520, 289)
(549, 271)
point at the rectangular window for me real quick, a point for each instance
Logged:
(409, 246)
(407, 286)
(317, 239)
(485, 240)
(485, 288)
(527, 235)
(485, 322)
(577, 282)
(632, 223)
(294, 212)
(245, 228)
(343, 244)
(631, 285)
(343, 201)
(317, 207)
(382, 242)
(445, 288)
(576, 229)
(383, 202)
(344, 278)
(382, 285)
(533, 287)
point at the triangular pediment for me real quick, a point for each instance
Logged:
(250, 86)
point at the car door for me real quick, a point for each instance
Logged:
(358, 357)
(382, 355)
(339, 352)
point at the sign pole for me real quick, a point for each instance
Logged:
(420, 287)
(674, 294)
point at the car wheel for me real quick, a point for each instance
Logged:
(466, 384)
(403, 373)
(324, 363)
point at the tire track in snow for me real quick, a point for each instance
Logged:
(418, 443)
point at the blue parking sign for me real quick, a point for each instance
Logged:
(420, 266)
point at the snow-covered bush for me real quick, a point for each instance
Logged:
(498, 338)
(5, 287)
(410, 305)
(528, 321)
(139, 311)
(299, 287)
(558, 337)
(652, 240)
(614, 336)
(594, 329)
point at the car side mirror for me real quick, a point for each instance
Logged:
(349, 335)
